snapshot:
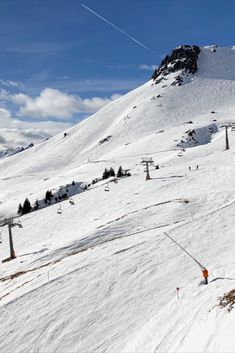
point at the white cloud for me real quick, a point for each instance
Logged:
(10, 83)
(91, 105)
(147, 67)
(50, 103)
(55, 104)
(50, 48)
(21, 133)
(5, 117)
(15, 132)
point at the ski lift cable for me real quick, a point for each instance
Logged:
(201, 266)
(135, 155)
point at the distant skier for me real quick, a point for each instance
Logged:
(205, 275)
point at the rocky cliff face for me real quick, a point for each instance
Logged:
(182, 58)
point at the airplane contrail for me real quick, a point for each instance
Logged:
(120, 30)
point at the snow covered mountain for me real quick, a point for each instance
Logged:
(100, 275)
(14, 150)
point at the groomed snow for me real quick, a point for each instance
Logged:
(102, 276)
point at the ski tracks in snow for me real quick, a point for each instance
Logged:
(172, 329)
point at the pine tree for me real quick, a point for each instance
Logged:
(26, 206)
(36, 206)
(20, 209)
(48, 195)
(112, 172)
(106, 174)
(120, 172)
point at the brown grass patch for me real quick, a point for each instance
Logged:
(227, 300)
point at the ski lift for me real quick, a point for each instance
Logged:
(59, 211)
(106, 187)
(71, 201)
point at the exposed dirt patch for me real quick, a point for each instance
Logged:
(227, 300)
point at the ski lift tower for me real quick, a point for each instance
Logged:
(147, 162)
(10, 223)
(226, 126)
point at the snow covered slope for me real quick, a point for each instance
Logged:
(101, 276)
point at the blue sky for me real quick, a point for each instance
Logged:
(57, 50)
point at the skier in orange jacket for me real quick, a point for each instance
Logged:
(205, 275)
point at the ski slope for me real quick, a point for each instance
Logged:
(102, 276)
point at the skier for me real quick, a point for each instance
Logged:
(205, 275)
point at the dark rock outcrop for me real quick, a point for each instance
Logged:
(182, 58)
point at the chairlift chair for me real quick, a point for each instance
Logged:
(59, 211)
(106, 187)
(71, 201)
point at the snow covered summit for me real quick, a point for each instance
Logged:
(100, 275)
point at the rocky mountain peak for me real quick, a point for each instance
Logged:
(183, 57)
